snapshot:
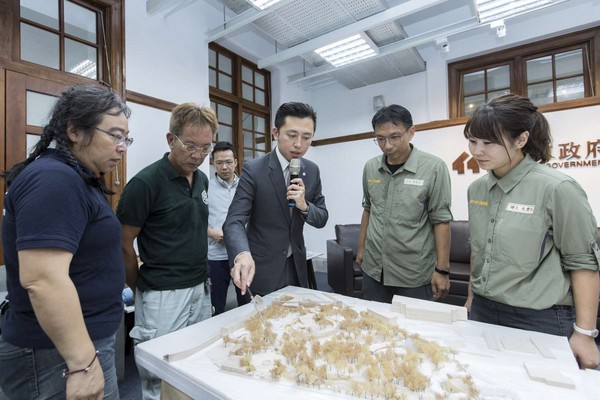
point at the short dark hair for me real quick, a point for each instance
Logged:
(393, 113)
(223, 146)
(293, 109)
(509, 116)
(83, 107)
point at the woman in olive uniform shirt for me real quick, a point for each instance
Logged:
(534, 257)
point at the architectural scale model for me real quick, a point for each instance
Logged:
(322, 344)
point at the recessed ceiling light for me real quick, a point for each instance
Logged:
(349, 50)
(262, 4)
(491, 10)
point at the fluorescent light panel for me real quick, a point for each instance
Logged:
(491, 10)
(346, 51)
(262, 4)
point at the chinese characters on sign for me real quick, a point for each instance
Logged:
(570, 155)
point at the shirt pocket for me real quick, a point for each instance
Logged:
(410, 202)
(521, 239)
(377, 189)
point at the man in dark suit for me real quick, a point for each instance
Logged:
(262, 233)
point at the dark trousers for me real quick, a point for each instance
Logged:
(220, 278)
(377, 291)
(556, 320)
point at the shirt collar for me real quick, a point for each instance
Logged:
(170, 170)
(284, 163)
(225, 184)
(516, 175)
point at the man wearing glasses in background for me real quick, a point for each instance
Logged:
(165, 206)
(404, 242)
(220, 194)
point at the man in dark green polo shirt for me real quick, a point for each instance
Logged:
(404, 242)
(165, 206)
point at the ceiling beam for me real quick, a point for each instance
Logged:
(156, 6)
(404, 44)
(391, 14)
(241, 20)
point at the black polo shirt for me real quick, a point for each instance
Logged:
(173, 216)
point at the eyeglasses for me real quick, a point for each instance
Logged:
(219, 164)
(206, 149)
(394, 139)
(119, 140)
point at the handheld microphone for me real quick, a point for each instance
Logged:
(294, 173)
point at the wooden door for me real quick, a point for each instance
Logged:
(27, 102)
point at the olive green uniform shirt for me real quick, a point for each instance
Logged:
(528, 231)
(403, 207)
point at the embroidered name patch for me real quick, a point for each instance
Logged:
(413, 182)
(374, 181)
(479, 202)
(520, 208)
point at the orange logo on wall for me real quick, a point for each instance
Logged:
(459, 164)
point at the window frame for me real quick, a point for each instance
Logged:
(110, 72)
(240, 105)
(588, 40)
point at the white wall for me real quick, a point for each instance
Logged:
(166, 58)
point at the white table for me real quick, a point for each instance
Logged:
(499, 373)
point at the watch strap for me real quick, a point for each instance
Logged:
(442, 271)
(587, 332)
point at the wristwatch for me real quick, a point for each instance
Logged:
(593, 333)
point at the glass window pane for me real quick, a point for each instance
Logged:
(248, 154)
(542, 93)
(260, 141)
(225, 114)
(42, 12)
(212, 58)
(248, 139)
(260, 97)
(80, 22)
(39, 46)
(225, 83)
(259, 153)
(224, 63)
(225, 133)
(491, 95)
(247, 92)
(474, 82)
(212, 78)
(498, 78)
(569, 63)
(472, 102)
(38, 107)
(259, 80)
(570, 89)
(259, 124)
(247, 121)
(80, 59)
(539, 69)
(31, 142)
(247, 74)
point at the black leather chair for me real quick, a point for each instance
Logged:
(345, 277)
(343, 274)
